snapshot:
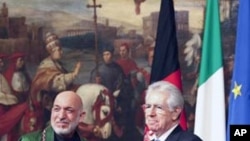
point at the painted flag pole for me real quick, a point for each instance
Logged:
(210, 103)
(166, 62)
(239, 102)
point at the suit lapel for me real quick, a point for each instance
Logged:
(174, 136)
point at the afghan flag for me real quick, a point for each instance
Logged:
(239, 102)
(210, 103)
(166, 60)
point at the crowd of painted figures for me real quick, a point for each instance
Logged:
(25, 102)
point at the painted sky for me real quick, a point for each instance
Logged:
(113, 9)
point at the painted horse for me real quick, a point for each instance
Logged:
(98, 105)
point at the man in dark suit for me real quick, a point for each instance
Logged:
(162, 108)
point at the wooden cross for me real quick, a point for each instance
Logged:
(94, 6)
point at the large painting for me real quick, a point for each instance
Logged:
(95, 47)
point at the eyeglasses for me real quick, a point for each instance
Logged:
(157, 107)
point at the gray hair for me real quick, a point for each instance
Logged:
(175, 98)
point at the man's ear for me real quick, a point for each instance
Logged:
(82, 115)
(176, 113)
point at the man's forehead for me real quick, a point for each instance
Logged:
(106, 52)
(157, 95)
(65, 106)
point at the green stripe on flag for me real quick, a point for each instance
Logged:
(211, 59)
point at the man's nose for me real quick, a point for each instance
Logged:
(62, 114)
(151, 111)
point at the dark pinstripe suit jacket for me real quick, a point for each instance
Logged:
(179, 135)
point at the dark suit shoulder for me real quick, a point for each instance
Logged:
(189, 136)
(180, 135)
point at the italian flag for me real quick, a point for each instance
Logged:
(210, 103)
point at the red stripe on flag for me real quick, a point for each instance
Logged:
(183, 120)
(175, 79)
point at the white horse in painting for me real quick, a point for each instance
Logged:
(97, 103)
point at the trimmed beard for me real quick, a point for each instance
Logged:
(65, 131)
